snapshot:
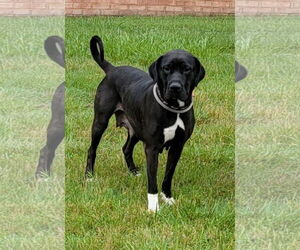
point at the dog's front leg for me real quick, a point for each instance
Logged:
(173, 158)
(152, 162)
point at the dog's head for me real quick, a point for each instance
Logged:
(177, 73)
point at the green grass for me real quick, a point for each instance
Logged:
(31, 213)
(111, 212)
(267, 134)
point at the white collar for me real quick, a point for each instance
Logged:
(164, 104)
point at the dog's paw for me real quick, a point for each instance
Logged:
(42, 179)
(135, 172)
(170, 201)
(89, 176)
(42, 176)
(89, 179)
(153, 205)
(153, 210)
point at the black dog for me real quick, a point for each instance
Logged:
(54, 47)
(155, 109)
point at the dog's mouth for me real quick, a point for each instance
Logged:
(171, 95)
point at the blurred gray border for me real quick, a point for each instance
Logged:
(267, 131)
(31, 211)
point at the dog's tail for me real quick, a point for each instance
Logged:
(98, 54)
(55, 49)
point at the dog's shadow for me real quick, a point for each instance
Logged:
(55, 49)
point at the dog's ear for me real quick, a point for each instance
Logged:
(55, 49)
(199, 71)
(153, 69)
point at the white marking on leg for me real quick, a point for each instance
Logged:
(169, 201)
(153, 205)
(169, 133)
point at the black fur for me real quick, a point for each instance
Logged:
(54, 47)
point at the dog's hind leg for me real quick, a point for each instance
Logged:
(99, 126)
(55, 134)
(128, 147)
(105, 105)
(131, 141)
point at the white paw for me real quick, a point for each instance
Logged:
(153, 205)
(89, 179)
(42, 179)
(169, 201)
(136, 173)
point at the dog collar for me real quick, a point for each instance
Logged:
(164, 104)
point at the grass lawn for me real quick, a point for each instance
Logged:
(111, 212)
(31, 213)
(268, 133)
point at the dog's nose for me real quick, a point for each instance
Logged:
(176, 87)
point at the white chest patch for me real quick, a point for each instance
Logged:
(180, 103)
(169, 133)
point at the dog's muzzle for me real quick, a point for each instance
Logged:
(165, 105)
(175, 87)
(175, 90)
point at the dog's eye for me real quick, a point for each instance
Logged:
(166, 69)
(187, 69)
